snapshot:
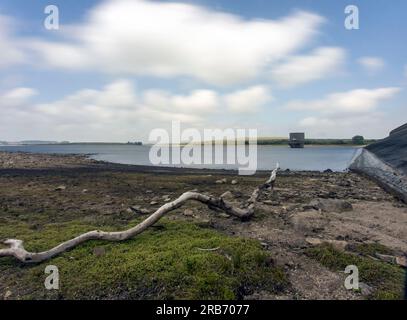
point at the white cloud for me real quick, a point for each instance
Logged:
(198, 101)
(114, 113)
(373, 125)
(321, 63)
(16, 97)
(372, 64)
(177, 39)
(350, 102)
(117, 112)
(346, 114)
(10, 53)
(248, 100)
(118, 104)
(314, 121)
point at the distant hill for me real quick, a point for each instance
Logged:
(26, 142)
(38, 142)
(284, 141)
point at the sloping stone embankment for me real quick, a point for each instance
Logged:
(393, 149)
(391, 178)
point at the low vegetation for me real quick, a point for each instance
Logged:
(44, 207)
(166, 262)
(386, 279)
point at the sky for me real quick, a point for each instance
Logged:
(116, 69)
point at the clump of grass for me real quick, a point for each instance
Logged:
(161, 263)
(370, 249)
(387, 279)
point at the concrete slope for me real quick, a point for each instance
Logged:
(393, 149)
(386, 162)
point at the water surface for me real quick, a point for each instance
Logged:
(336, 158)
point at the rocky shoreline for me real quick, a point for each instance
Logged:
(308, 217)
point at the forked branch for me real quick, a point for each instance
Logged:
(16, 247)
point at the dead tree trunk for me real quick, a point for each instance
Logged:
(16, 248)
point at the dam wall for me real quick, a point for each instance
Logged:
(390, 178)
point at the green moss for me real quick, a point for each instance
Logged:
(370, 249)
(161, 263)
(387, 279)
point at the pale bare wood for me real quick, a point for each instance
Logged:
(16, 247)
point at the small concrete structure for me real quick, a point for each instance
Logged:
(297, 140)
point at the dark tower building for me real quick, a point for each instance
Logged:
(297, 140)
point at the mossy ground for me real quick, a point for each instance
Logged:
(162, 263)
(387, 279)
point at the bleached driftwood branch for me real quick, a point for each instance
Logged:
(16, 248)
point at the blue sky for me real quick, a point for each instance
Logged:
(116, 69)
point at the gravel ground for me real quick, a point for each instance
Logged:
(42, 189)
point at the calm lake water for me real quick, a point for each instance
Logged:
(319, 158)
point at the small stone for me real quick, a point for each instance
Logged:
(386, 258)
(188, 213)
(234, 182)
(365, 289)
(84, 190)
(99, 251)
(337, 244)
(271, 202)
(313, 241)
(401, 261)
(139, 210)
(204, 222)
(7, 294)
(223, 215)
(228, 196)
(153, 203)
(329, 205)
(60, 188)
(221, 181)
(345, 183)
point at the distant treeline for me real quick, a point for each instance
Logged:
(315, 142)
(283, 141)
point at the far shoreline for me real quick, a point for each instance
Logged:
(26, 160)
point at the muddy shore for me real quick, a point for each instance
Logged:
(308, 217)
